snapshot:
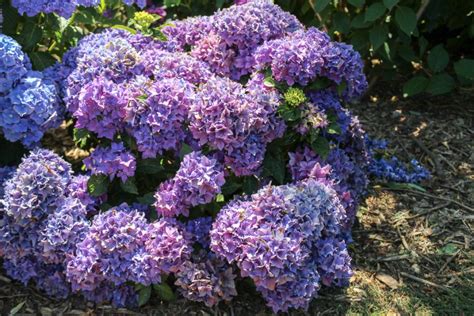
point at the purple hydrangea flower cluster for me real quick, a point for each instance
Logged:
(60, 7)
(206, 278)
(339, 171)
(304, 56)
(239, 123)
(228, 39)
(121, 247)
(156, 113)
(273, 237)
(114, 162)
(40, 222)
(14, 64)
(30, 109)
(198, 180)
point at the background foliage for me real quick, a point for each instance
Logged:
(425, 44)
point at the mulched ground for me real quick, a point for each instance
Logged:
(412, 251)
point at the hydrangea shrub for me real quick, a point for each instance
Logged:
(222, 153)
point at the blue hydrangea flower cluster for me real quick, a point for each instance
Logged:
(273, 237)
(30, 109)
(14, 64)
(5, 174)
(29, 103)
(199, 229)
(198, 180)
(41, 222)
(392, 169)
(64, 8)
(239, 123)
(114, 162)
(121, 247)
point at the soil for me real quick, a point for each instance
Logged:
(412, 250)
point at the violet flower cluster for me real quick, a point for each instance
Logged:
(114, 162)
(305, 56)
(206, 278)
(198, 180)
(228, 39)
(121, 247)
(41, 222)
(240, 123)
(156, 114)
(273, 237)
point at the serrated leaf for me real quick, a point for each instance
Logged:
(440, 84)
(41, 60)
(415, 86)
(359, 22)
(321, 146)
(250, 184)
(30, 35)
(389, 4)
(357, 3)
(185, 149)
(334, 128)
(320, 5)
(97, 184)
(144, 295)
(377, 35)
(230, 187)
(374, 11)
(406, 19)
(220, 198)
(269, 82)
(164, 292)
(438, 58)
(465, 68)
(171, 3)
(146, 199)
(149, 166)
(129, 186)
(341, 22)
(274, 165)
(125, 28)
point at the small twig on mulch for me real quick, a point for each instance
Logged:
(420, 280)
(431, 210)
(434, 158)
(448, 261)
(393, 258)
(468, 208)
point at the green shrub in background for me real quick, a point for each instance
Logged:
(426, 43)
